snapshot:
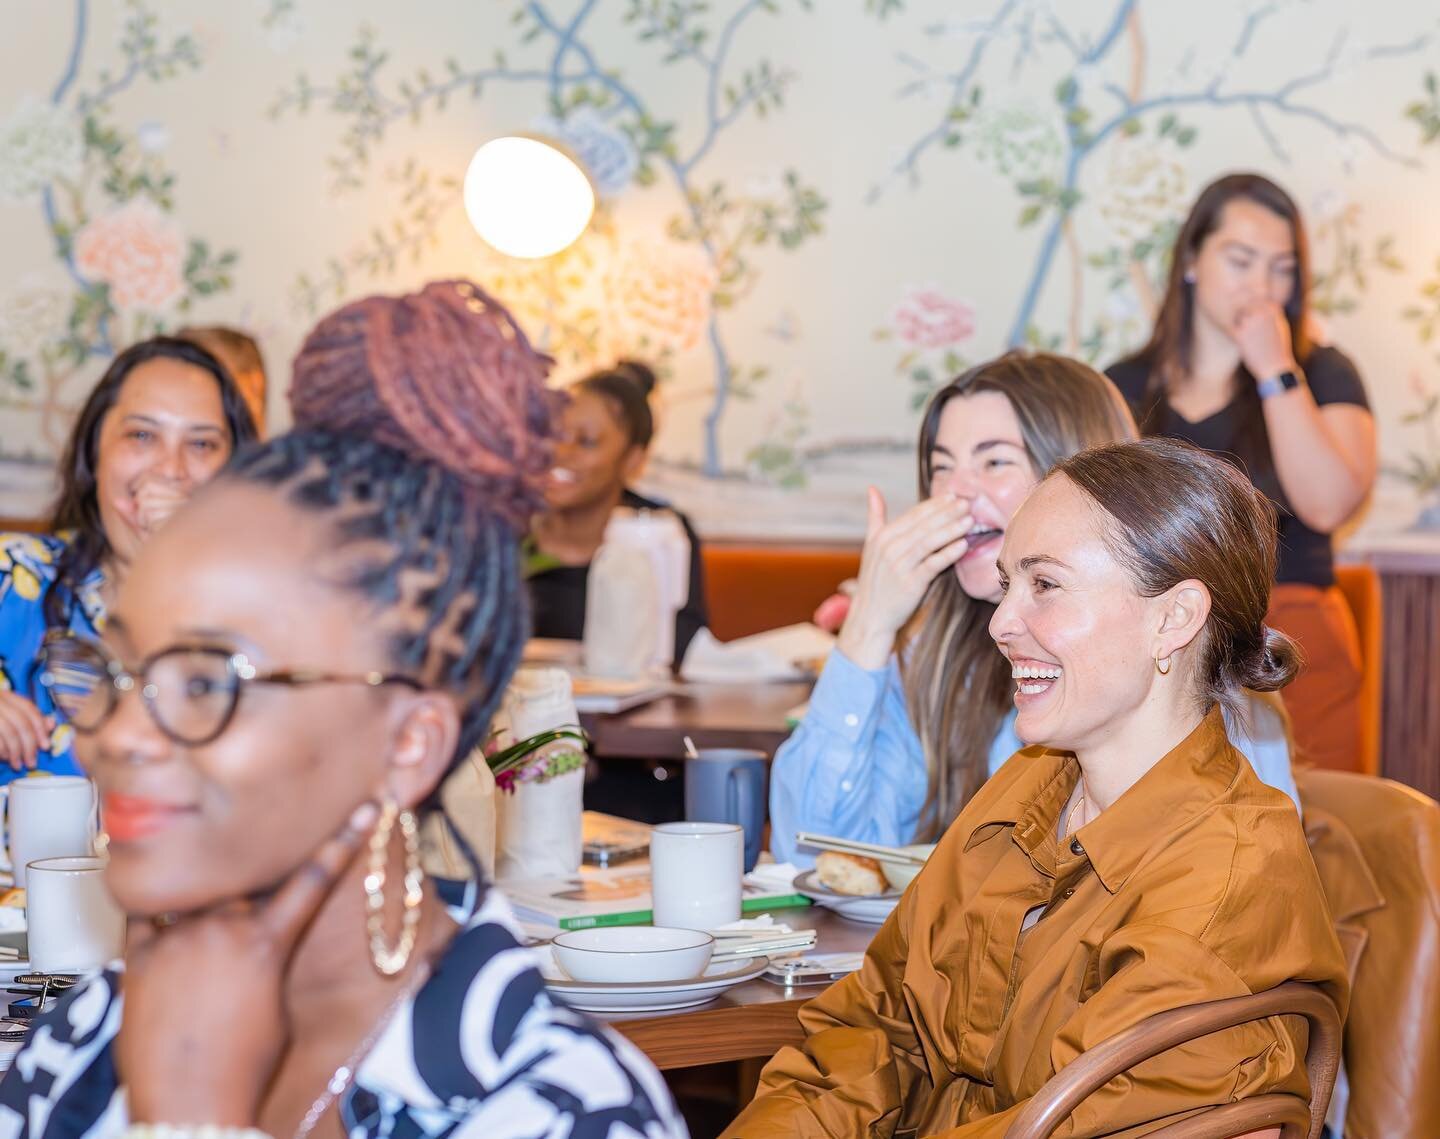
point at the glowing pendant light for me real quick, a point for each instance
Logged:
(527, 198)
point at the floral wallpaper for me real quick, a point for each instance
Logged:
(810, 215)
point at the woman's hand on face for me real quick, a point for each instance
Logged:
(24, 731)
(204, 1023)
(156, 499)
(1263, 336)
(900, 560)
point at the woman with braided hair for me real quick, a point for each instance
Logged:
(291, 669)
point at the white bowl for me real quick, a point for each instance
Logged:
(901, 874)
(633, 953)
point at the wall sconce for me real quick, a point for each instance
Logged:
(527, 197)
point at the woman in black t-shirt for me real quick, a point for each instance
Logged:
(1231, 366)
(605, 434)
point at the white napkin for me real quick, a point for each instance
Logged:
(772, 877)
(779, 654)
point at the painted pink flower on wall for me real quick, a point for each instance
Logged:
(660, 293)
(927, 318)
(138, 252)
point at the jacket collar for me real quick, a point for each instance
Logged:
(1183, 784)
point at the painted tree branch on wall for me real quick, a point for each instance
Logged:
(108, 201)
(1093, 111)
(669, 298)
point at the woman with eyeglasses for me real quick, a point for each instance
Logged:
(289, 672)
(164, 418)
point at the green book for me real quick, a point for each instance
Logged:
(616, 896)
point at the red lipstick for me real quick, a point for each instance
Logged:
(128, 818)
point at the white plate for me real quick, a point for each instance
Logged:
(871, 909)
(595, 996)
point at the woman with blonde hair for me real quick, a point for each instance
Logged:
(912, 712)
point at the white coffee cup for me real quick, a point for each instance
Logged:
(74, 924)
(51, 816)
(695, 872)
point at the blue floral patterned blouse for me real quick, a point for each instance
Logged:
(28, 569)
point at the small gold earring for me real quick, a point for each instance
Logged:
(1162, 671)
(387, 960)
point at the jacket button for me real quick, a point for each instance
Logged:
(1070, 891)
(1075, 847)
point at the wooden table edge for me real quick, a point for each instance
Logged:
(716, 1035)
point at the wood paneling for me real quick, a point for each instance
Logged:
(1410, 752)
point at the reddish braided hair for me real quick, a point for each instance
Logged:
(444, 375)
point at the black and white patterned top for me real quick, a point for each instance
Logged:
(481, 1050)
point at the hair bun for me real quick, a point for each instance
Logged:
(641, 375)
(1272, 666)
(444, 375)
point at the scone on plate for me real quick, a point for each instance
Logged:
(850, 873)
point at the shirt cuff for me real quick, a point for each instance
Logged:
(846, 696)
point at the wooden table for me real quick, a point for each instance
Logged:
(750, 1021)
(713, 715)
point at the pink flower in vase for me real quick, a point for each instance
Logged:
(927, 318)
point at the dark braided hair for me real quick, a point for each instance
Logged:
(626, 389)
(410, 537)
(422, 432)
(444, 375)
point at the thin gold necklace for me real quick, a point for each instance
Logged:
(1070, 818)
(345, 1074)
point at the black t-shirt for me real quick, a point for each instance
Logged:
(1305, 554)
(557, 595)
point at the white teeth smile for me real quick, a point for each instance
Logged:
(1042, 674)
(1035, 672)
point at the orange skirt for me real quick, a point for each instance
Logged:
(1324, 699)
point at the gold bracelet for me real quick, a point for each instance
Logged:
(191, 1131)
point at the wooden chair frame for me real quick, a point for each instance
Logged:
(1089, 1072)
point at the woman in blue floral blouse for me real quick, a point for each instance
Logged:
(164, 418)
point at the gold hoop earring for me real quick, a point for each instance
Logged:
(387, 960)
(1162, 671)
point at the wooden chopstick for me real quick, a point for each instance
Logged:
(869, 850)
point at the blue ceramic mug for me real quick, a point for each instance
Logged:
(727, 785)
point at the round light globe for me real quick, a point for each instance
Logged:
(527, 198)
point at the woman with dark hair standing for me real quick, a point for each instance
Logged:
(164, 418)
(1232, 367)
(605, 435)
(290, 670)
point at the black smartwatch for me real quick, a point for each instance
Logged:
(1275, 385)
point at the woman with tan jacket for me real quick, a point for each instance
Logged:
(1126, 863)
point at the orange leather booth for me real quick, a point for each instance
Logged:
(751, 588)
(1361, 586)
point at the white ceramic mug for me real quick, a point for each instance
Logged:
(48, 816)
(695, 872)
(73, 923)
